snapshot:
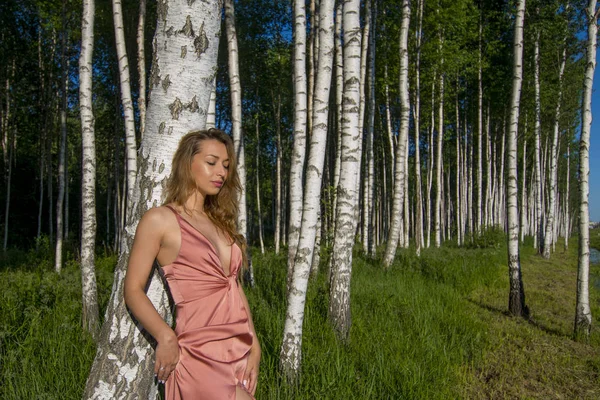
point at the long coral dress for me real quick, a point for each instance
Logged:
(212, 324)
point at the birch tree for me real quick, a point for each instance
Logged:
(126, 100)
(141, 63)
(399, 179)
(292, 334)
(516, 300)
(347, 193)
(300, 126)
(90, 313)
(583, 312)
(183, 68)
(236, 111)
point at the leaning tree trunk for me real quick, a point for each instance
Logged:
(300, 126)
(550, 215)
(90, 312)
(399, 185)
(126, 102)
(516, 300)
(188, 37)
(583, 313)
(339, 304)
(292, 334)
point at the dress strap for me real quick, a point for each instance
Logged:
(174, 211)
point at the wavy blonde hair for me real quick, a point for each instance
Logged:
(222, 208)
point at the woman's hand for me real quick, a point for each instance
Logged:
(251, 374)
(167, 357)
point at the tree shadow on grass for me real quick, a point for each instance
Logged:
(530, 320)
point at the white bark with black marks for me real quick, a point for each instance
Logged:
(90, 314)
(183, 69)
(292, 335)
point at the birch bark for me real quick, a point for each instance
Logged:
(300, 126)
(127, 103)
(141, 64)
(399, 186)
(90, 314)
(539, 228)
(550, 220)
(516, 301)
(339, 304)
(583, 312)
(236, 112)
(292, 334)
(183, 68)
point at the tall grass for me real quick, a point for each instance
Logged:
(430, 327)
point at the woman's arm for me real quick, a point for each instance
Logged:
(251, 374)
(146, 245)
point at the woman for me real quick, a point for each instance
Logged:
(213, 353)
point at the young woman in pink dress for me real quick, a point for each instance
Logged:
(213, 352)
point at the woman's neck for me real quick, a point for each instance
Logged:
(195, 204)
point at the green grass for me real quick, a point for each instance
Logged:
(430, 327)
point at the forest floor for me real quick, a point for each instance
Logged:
(430, 327)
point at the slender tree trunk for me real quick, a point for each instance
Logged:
(42, 142)
(258, 210)
(300, 127)
(60, 201)
(90, 314)
(419, 241)
(583, 312)
(341, 271)
(141, 55)
(438, 172)
(278, 167)
(516, 302)
(371, 134)
(124, 363)
(399, 185)
(480, 130)
(524, 189)
(11, 155)
(431, 162)
(539, 228)
(126, 100)
(361, 120)
(566, 207)
(292, 334)
(550, 220)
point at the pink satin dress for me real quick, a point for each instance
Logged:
(212, 324)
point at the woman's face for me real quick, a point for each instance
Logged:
(210, 167)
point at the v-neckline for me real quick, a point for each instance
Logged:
(214, 249)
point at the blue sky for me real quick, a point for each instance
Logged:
(595, 154)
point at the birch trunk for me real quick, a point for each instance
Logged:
(566, 211)
(371, 132)
(11, 152)
(236, 112)
(583, 312)
(292, 335)
(300, 126)
(539, 228)
(278, 167)
(459, 215)
(361, 118)
(258, 210)
(550, 220)
(479, 130)
(141, 55)
(399, 185)
(188, 37)
(438, 171)
(60, 200)
(339, 304)
(90, 314)
(419, 241)
(524, 189)
(212, 107)
(126, 101)
(516, 301)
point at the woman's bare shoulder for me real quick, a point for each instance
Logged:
(158, 218)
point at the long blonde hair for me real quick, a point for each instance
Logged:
(222, 208)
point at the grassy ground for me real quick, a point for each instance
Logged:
(433, 327)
